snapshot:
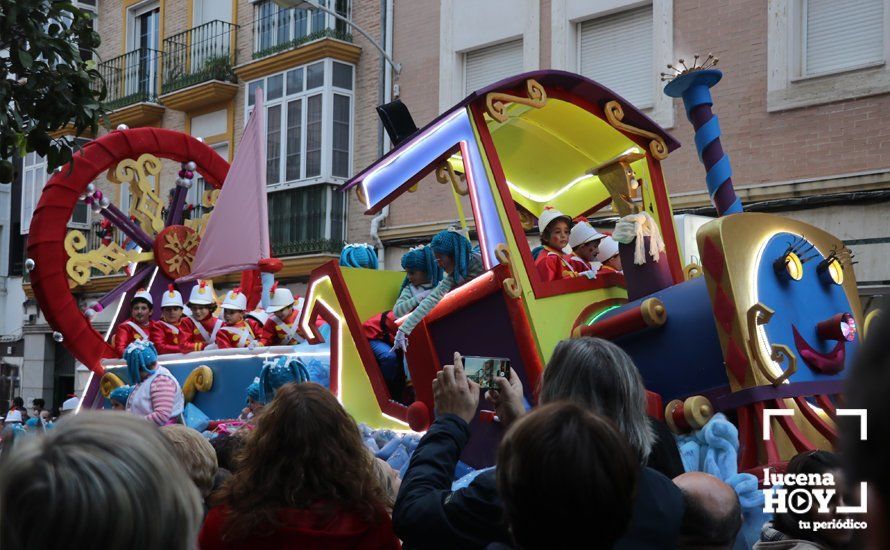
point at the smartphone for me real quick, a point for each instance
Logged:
(483, 370)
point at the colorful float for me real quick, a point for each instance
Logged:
(768, 320)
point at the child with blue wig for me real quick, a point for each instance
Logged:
(359, 255)
(455, 256)
(422, 274)
(119, 397)
(156, 394)
(253, 400)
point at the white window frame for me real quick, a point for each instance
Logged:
(788, 89)
(132, 13)
(32, 165)
(327, 91)
(566, 17)
(330, 22)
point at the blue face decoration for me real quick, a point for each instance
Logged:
(812, 316)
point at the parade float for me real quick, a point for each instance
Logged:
(767, 320)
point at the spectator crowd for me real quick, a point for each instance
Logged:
(585, 468)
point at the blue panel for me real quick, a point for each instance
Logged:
(801, 304)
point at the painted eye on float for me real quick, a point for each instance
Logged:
(831, 271)
(789, 266)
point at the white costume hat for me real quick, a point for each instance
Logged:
(235, 300)
(281, 298)
(14, 416)
(172, 298)
(202, 294)
(548, 216)
(143, 294)
(583, 233)
(608, 248)
(260, 315)
(70, 404)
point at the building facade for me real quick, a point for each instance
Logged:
(801, 122)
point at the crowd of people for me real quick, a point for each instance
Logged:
(585, 468)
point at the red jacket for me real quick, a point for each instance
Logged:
(228, 339)
(199, 341)
(126, 333)
(554, 265)
(305, 529)
(169, 338)
(283, 332)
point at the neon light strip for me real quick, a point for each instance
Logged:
(599, 315)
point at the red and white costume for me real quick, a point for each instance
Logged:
(170, 337)
(131, 330)
(553, 265)
(279, 331)
(204, 332)
(238, 335)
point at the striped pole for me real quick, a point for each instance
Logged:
(694, 87)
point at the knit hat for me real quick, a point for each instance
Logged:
(253, 390)
(359, 255)
(120, 394)
(140, 355)
(421, 258)
(458, 247)
(278, 372)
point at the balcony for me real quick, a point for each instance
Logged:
(306, 223)
(286, 37)
(132, 81)
(198, 69)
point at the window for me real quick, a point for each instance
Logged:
(837, 36)
(34, 176)
(488, 65)
(277, 28)
(141, 65)
(195, 198)
(616, 51)
(823, 51)
(309, 112)
(307, 220)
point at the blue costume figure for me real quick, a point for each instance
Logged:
(359, 255)
(276, 373)
(156, 394)
(119, 397)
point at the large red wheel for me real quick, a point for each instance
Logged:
(60, 195)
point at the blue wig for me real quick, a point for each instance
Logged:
(121, 394)
(140, 355)
(253, 390)
(359, 255)
(278, 372)
(458, 247)
(422, 259)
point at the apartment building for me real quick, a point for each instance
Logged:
(805, 85)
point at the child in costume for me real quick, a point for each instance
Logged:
(138, 326)
(156, 395)
(172, 333)
(235, 333)
(257, 319)
(206, 326)
(608, 255)
(119, 397)
(253, 400)
(552, 262)
(584, 241)
(454, 254)
(422, 274)
(281, 328)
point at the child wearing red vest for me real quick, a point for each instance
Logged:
(281, 327)
(138, 326)
(172, 333)
(235, 333)
(206, 326)
(552, 262)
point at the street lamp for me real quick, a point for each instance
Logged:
(311, 4)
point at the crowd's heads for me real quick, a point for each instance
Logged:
(227, 447)
(421, 267)
(452, 251)
(713, 513)
(195, 455)
(119, 397)
(305, 449)
(599, 375)
(789, 523)
(566, 475)
(57, 491)
(359, 255)
(142, 359)
(867, 388)
(18, 402)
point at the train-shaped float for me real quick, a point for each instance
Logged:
(768, 320)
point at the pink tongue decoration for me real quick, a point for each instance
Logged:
(823, 363)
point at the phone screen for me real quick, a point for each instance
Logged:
(483, 370)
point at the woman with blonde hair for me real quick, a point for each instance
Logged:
(303, 479)
(112, 483)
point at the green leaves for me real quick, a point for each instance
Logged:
(44, 82)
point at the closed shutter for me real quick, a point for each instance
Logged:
(616, 51)
(841, 35)
(488, 65)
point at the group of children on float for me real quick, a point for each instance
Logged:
(591, 253)
(176, 332)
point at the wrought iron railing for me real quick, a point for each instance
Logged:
(300, 248)
(131, 78)
(277, 29)
(298, 221)
(202, 53)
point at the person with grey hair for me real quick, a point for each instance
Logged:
(590, 372)
(92, 465)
